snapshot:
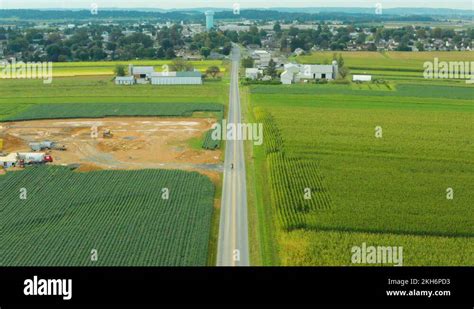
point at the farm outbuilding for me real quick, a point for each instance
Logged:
(176, 78)
(125, 80)
(361, 78)
(9, 160)
(295, 73)
(141, 72)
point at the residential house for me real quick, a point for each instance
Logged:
(262, 58)
(253, 73)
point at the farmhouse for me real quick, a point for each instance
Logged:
(253, 73)
(125, 80)
(262, 58)
(288, 76)
(294, 73)
(176, 78)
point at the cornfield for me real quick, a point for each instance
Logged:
(291, 178)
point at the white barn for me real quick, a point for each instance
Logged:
(312, 71)
(141, 72)
(176, 78)
(294, 73)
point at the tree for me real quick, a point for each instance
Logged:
(17, 45)
(53, 51)
(340, 60)
(213, 70)
(343, 72)
(205, 52)
(247, 62)
(341, 66)
(181, 65)
(120, 70)
(277, 27)
(420, 46)
(372, 47)
(437, 33)
(271, 69)
(293, 31)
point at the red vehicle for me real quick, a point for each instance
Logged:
(34, 158)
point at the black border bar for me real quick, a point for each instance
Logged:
(250, 285)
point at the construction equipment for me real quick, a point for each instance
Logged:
(38, 146)
(107, 134)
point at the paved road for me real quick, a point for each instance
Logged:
(233, 230)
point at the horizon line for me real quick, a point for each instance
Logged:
(230, 9)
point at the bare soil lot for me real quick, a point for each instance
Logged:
(137, 143)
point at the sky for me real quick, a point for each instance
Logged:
(179, 4)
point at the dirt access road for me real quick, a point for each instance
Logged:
(137, 143)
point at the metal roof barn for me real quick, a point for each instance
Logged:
(176, 78)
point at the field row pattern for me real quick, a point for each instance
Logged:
(121, 214)
(99, 110)
(289, 178)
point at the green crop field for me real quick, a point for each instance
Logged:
(102, 89)
(99, 110)
(18, 95)
(388, 191)
(209, 142)
(121, 214)
(74, 69)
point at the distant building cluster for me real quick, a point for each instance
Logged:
(294, 73)
(147, 75)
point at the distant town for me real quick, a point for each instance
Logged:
(211, 38)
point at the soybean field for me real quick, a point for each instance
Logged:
(53, 216)
(99, 110)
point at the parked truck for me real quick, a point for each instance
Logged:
(107, 134)
(28, 158)
(38, 146)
